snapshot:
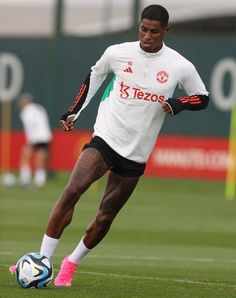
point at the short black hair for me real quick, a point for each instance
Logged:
(156, 13)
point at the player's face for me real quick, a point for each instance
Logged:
(151, 35)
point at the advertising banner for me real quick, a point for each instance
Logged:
(173, 156)
(189, 157)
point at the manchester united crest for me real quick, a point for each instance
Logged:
(162, 76)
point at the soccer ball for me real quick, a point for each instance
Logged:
(34, 270)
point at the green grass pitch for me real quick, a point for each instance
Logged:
(174, 238)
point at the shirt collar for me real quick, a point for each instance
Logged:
(148, 54)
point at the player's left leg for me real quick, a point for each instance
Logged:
(117, 192)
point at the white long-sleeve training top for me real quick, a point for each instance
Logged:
(130, 115)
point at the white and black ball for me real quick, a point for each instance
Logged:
(34, 270)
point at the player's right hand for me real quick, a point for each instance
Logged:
(68, 124)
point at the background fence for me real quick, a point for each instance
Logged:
(52, 64)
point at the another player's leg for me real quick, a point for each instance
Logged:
(25, 170)
(41, 159)
(118, 191)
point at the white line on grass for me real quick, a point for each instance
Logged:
(146, 258)
(161, 258)
(154, 278)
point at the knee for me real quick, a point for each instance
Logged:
(71, 190)
(71, 195)
(75, 189)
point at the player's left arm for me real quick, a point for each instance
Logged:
(192, 103)
(197, 97)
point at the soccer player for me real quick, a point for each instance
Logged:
(38, 136)
(129, 118)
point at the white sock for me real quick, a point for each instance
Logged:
(40, 177)
(48, 246)
(25, 175)
(79, 253)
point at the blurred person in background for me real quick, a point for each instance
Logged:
(38, 136)
(129, 119)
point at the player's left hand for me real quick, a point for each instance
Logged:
(166, 108)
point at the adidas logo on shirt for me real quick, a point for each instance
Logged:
(128, 69)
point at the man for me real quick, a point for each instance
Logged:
(38, 137)
(130, 116)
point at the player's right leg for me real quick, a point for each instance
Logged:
(89, 167)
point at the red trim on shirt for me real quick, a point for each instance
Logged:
(78, 97)
(194, 100)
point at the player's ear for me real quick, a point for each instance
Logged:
(167, 29)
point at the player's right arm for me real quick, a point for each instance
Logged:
(87, 90)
